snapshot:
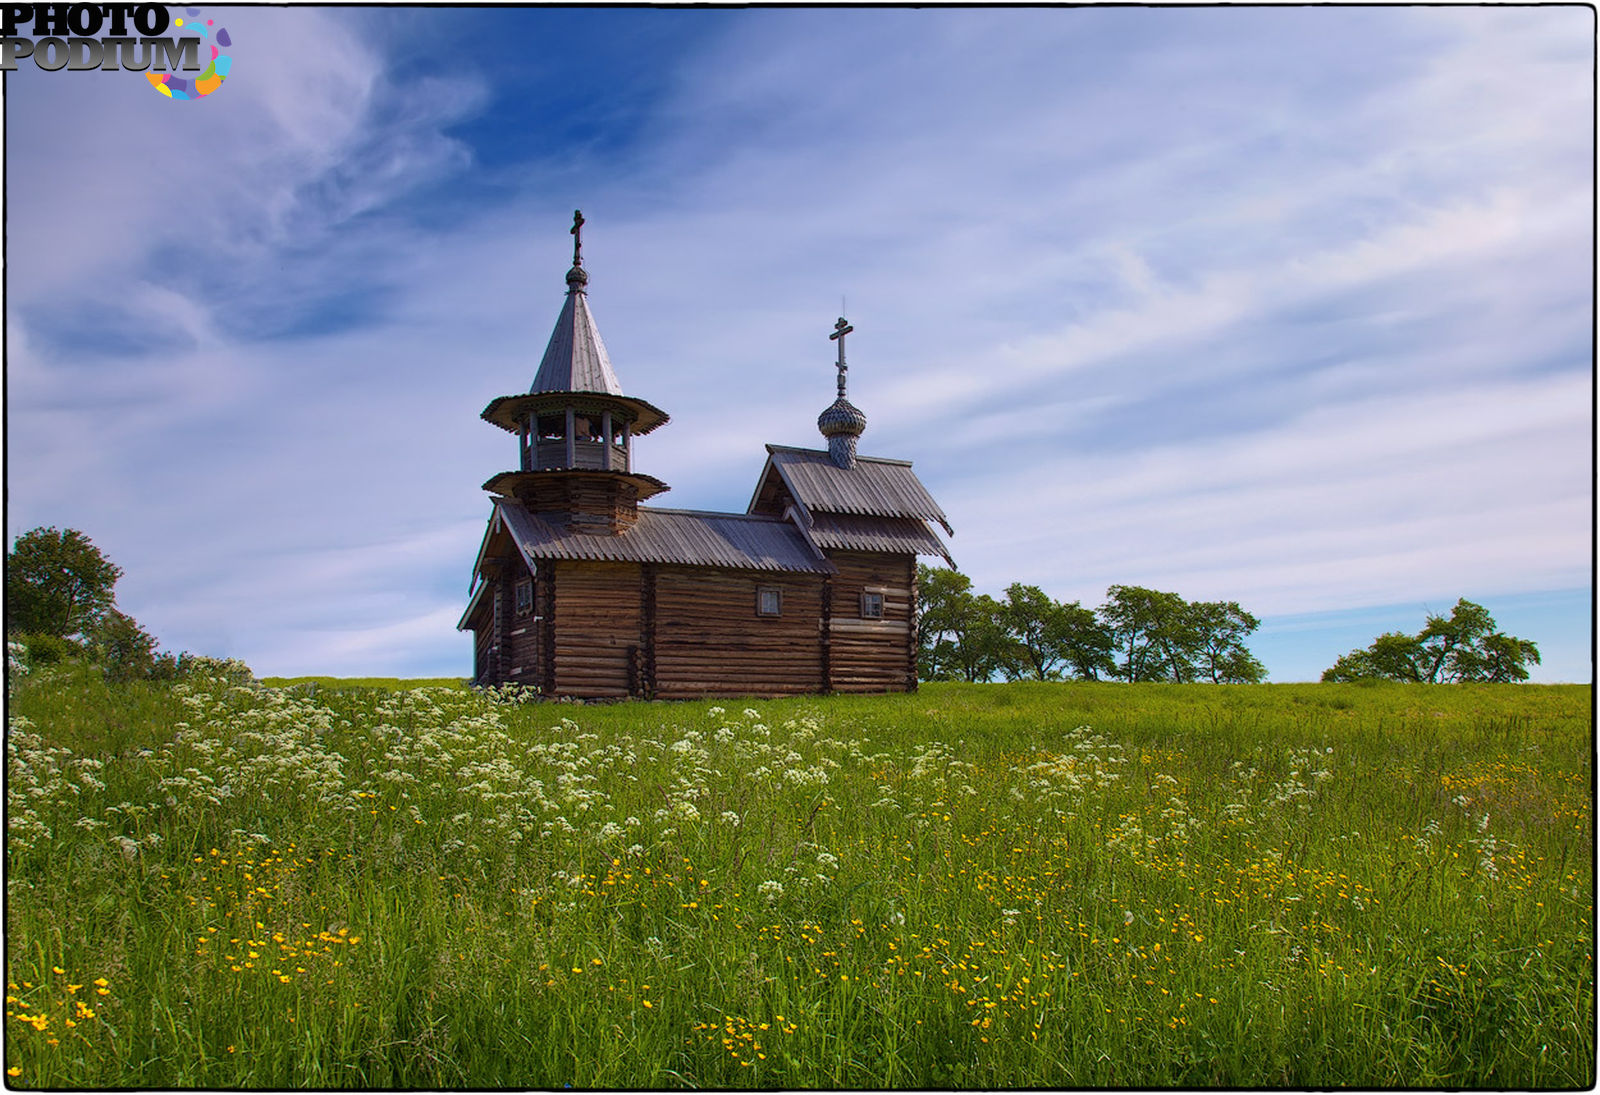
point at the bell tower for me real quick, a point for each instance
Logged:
(575, 427)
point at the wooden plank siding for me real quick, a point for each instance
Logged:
(524, 638)
(596, 616)
(710, 641)
(873, 655)
(609, 630)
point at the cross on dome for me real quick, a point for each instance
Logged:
(841, 329)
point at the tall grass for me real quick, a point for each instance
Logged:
(1021, 885)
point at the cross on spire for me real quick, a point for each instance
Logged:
(841, 329)
(577, 237)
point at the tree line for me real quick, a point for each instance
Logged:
(1138, 634)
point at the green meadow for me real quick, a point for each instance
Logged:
(223, 884)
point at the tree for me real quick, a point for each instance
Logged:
(127, 651)
(1150, 632)
(1463, 647)
(1037, 629)
(1087, 642)
(57, 583)
(1219, 629)
(960, 635)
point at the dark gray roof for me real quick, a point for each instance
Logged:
(672, 536)
(575, 359)
(874, 487)
(895, 535)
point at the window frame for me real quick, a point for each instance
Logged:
(871, 596)
(761, 601)
(522, 608)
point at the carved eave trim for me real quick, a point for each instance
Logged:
(505, 484)
(510, 411)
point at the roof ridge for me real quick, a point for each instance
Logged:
(709, 513)
(771, 448)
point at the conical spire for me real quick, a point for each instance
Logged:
(842, 423)
(575, 359)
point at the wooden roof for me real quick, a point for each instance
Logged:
(896, 535)
(689, 537)
(874, 487)
(575, 359)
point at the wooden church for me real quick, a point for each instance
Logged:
(580, 590)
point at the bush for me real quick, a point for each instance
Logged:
(45, 649)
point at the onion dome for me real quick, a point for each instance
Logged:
(843, 421)
(842, 418)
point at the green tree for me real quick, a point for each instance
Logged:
(127, 651)
(1151, 633)
(1087, 642)
(57, 583)
(1219, 629)
(960, 635)
(1462, 647)
(1036, 626)
(1050, 639)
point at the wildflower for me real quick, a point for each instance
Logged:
(770, 890)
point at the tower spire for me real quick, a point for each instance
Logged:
(842, 423)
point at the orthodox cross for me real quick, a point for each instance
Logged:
(577, 237)
(841, 329)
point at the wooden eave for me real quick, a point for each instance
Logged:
(510, 411)
(506, 482)
(684, 537)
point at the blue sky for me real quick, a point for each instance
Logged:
(1289, 306)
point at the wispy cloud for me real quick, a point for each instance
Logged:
(1290, 306)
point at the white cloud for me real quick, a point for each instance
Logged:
(1253, 304)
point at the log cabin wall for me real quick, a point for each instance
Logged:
(524, 637)
(873, 655)
(596, 627)
(709, 639)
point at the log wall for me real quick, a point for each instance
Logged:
(613, 630)
(596, 628)
(524, 641)
(873, 655)
(709, 640)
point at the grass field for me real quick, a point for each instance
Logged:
(1059, 885)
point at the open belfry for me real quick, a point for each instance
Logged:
(581, 590)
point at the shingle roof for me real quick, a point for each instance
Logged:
(896, 535)
(575, 359)
(874, 487)
(672, 536)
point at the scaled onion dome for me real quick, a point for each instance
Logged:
(842, 419)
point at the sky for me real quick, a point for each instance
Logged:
(1288, 306)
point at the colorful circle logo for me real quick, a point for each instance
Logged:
(211, 36)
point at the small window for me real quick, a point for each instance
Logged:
(524, 596)
(552, 427)
(769, 601)
(872, 606)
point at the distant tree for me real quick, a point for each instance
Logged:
(1219, 629)
(1151, 632)
(960, 635)
(57, 583)
(1087, 642)
(1037, 627)
(127, 651)
(1463, 647)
